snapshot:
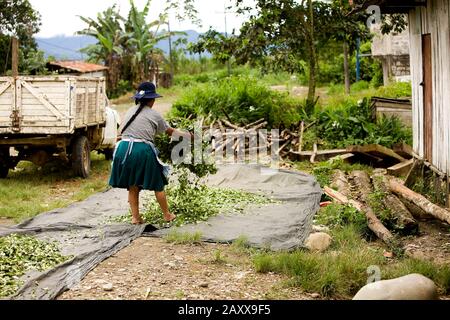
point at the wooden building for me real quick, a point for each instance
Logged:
(77, 68)
(429, 32)
(392, 50)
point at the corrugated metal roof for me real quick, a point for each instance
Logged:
(78, 66)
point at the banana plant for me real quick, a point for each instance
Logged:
(143, 38)
(108, 29)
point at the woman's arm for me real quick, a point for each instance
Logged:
(184, 134)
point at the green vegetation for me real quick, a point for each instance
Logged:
(30, 190)
(241, 99)
(339, 216)
(342, 271)
(353, 124)
(183, 238)
(20, 254)
(192, 201)
(323, 171)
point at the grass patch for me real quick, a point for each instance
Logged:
(20, 254)
(342, 271)
(183, 238)
(218, 257)
(29, 190)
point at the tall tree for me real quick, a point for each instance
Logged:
(17, 18)
(109, 32)
(142, 38)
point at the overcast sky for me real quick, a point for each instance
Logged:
(60, 17)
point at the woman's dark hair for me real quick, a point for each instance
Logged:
(142, 104)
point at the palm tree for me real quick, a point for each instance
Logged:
(142, 40)
(109, 32)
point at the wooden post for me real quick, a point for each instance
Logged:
(15, 57)
(447, 192)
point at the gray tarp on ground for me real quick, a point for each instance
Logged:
(84, 232)
(279, 226)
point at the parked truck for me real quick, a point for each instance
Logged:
(63, 117)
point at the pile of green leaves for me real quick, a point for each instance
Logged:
(166, 145)
(20, 254)
(192, 201)
(241, 99)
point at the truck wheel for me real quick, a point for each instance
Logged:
(81, 157)
(4, 170)
(4, 163)
(109, 153)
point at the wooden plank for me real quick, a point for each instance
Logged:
(15, 57)
(404, 150)
(401, 169)
(377, 149)
(427, 84)
(345, 157)
(44, 101)
(5, 87)
(413, 173)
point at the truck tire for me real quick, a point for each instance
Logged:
(81, 157)
(4, 170)
(4, 163)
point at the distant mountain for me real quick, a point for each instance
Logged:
(68, 47)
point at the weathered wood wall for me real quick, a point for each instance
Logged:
(435, 20)
(51, 105)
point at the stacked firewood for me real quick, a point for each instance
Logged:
(285, 141)
(404, 205)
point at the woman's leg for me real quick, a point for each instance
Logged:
(133, 199)
(162, 200)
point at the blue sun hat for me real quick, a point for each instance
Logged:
(146, 90)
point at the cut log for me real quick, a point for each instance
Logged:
(419, 200)
(377, 151)
(229, 124)
(363, 185)
(404, 221)
(222, 128)
(313, 156)
(401, 169)
(372, 221)
(341, 184)
(254, 123)
(417, 212)
(302, 130)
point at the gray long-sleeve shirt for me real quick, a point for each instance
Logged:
(148, 124)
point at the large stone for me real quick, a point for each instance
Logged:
(318, 241)
(410, 287)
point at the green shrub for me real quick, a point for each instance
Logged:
(353, 124)
(338, 215)
(360, 86)
(242, 99)
(395, 90)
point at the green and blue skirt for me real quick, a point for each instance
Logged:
(135, 164)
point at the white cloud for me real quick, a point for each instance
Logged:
(61, 17)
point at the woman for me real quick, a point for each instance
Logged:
(136, 165)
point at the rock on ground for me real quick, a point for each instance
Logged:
(318, 242)
(410, 287)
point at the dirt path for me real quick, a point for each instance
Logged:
(151, 268)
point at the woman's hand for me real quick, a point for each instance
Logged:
(184, 134)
